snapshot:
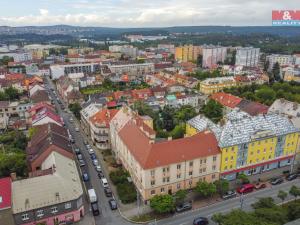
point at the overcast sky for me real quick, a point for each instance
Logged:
(141, 13)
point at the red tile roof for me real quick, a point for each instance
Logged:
(151, 155)
(225, 99)
(141, 93)
(252, 108)
(104, 116)
(5, 193)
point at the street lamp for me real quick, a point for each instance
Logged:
(242, 200)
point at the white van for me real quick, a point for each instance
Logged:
(104, 182)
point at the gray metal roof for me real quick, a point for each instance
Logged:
(240, 127)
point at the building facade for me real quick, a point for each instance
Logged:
(280, 59)
(247, 57)
(187, 53)
(212, 55)
(214, 85)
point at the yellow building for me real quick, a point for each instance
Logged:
(251, 145)
(187, 53)
(214, 85)
(291, 73)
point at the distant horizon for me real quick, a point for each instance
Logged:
(141, 13)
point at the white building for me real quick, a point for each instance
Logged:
(247, 57)
(281, 59)
(128, 50)
(133, 69)
(212, 55)
(18, 56)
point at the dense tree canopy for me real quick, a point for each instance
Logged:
(213, 110)
(162, 203)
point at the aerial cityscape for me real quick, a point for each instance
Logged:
(124, 112)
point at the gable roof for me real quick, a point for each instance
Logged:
(103, 117)
(151, 155)
(225, 99)
(40, 96)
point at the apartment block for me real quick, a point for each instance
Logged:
(252, 145)
(280, 59)
(214, 85)
(248, 57)
(164, 167)
(212, 55)
(187, 53)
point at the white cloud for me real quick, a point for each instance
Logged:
(138, 13)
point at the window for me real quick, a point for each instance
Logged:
(54, 209)
(162, 190)
(191, 173)
(204, 160)
(164, 180)
(215, 158)
(178, 176)
(152, 182)
(25, 217)
(213, 167)
(178, 186)
(231, 157)
(200, 171)
(264, 150)
(204, 170)
(250, 161)
(225, 168)
(152, 192)
(190, 182)
(258, 151)
(191, 163)
(178, 166)
(252, 144)
(230, 166)
(213, 176)
(152, 172)
(68, 205)
(226, 159)
(39, 213)
(232, 149)
(168, 179)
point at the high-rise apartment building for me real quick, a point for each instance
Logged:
(187, 53)
(247, 57)
(281, 59)
(212, 55)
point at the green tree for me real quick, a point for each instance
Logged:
(282, 195)
(266, 65)
(293, 210)
(266, 95)
(12, 93)
(75, 108)
(222, 186)
(162, 203)
(243, 179)
(276, 71)
(213, 110)
(180, 196)
(5, 60)
(295, 191)
(206, 189)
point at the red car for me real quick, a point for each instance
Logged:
(246, 188)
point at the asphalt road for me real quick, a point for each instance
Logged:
(226, 206)
(109, 217)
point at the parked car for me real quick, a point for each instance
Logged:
(91, 151)
(260, 186)
(87, 146)
(112, 204)
(85, 177)
(108, 192)
(98, 168)
(71, 120)
(276, 181)
(93, 156)
(101, 175)
(104, 182)
(200, 221)
(95, 162)
(79, 157)
(85, 142)
(183, 207)
(76, 129)
(229, 194)
(81, 162)
(77, 151)
(245, 188)
(95, 209)
(291, 176)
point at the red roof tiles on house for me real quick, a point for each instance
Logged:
(252, 108)
(104, 116)
(225, 99)
(5, 193)
(151, 155)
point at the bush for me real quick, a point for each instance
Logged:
(162, 204)
(119, 176)
(127, 192)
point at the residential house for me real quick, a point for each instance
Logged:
(99, 127)
(252, 108)
(168, 166)
(53, 196)
(228, 101)
(213, 85)
(6, 216)
(45, 116)
(90, 109)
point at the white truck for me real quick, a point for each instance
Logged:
(92, 196)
